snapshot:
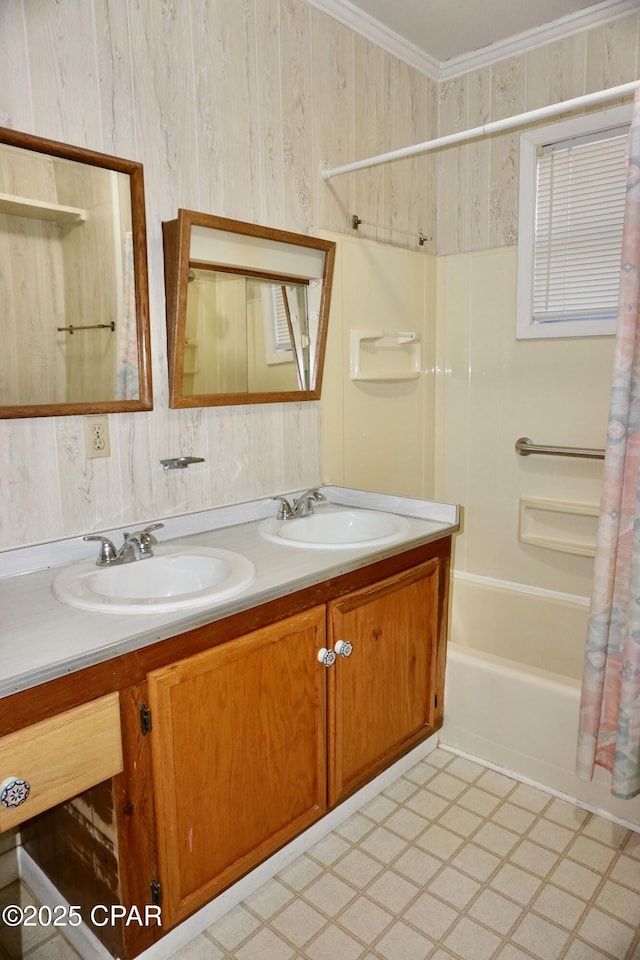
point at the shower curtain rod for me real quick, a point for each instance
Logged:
(493, 126)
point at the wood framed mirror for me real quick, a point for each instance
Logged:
(73, 281)
(247, 311)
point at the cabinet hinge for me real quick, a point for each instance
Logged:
(156, 892)
(145, 719)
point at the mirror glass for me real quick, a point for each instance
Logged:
(246, 311)
(73, 281)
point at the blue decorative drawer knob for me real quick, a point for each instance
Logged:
(327, 657)
(344, 648)
(13, 792)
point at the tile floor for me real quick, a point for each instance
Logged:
(452, 862)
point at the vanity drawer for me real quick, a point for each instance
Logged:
(52, 761)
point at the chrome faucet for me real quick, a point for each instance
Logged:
(136, 546)
(285, 510)
(303, 506)
(131, 549)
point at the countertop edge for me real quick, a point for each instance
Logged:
(247, 600)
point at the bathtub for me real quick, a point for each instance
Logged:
(512, 694)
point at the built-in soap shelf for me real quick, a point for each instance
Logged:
(385, 355)
(559, 525)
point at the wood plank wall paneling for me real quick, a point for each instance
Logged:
(508, 100)
(270, 118)
(295, 94)
(332, 77)
(370, 136)
(477, 184)
(405, 184)
(232, 108)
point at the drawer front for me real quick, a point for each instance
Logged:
(52, 761)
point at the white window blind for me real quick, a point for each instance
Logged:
(580, 200)
(282, 337)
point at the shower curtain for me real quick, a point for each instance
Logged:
(127, 385)
(609, 733)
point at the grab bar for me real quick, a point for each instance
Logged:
(524, 447)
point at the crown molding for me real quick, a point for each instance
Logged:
(362, 23)
(523, 42)
(372, 29)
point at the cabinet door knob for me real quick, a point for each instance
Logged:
(344, 648)
(13, 792)
(327, 657)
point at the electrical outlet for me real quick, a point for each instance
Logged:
(97, 437)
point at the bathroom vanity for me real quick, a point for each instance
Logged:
(226, 732)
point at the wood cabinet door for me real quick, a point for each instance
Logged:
(239, 756)
(382, 697)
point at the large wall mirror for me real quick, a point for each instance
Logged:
(247, 310)
(73, 281)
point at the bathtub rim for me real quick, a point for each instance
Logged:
(458, 736)
(506, 666)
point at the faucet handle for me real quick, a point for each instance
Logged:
(108, 552)
(313, 494)
(146, 536)
(285, 510)
(303, 506)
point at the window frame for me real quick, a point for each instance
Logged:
(530, 140)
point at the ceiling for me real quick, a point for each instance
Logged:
(451, 28)
(445, 37)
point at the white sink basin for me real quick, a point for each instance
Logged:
(175, 578)
(331, 528)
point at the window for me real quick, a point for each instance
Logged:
(572, 195)
(277, 339)
(281, 336)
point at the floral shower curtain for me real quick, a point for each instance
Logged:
(127, 385)
(610, 706)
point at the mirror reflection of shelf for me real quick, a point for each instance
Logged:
(40, 209)
(74, 255)
(385, 355)
(190, 357)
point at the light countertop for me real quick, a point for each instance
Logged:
(42, 638)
